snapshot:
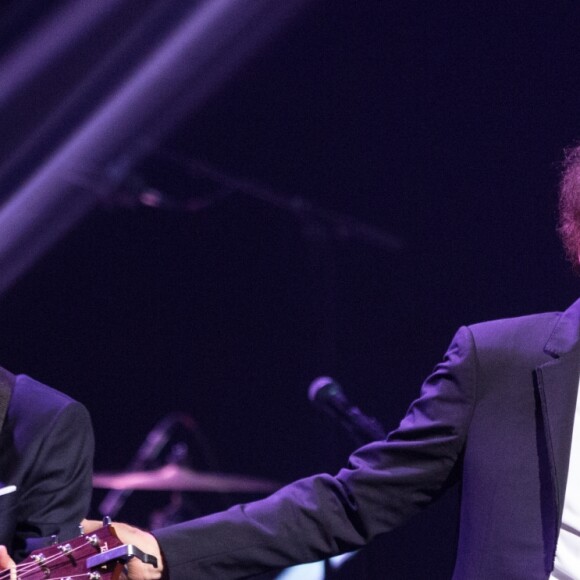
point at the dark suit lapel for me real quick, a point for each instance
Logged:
(6, 383)
(558, 387)
(557, 382)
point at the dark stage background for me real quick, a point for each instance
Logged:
(441, 123)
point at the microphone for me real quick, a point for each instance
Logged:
(147, 453)
(157, 438)
(328, 395)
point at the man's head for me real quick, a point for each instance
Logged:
(569, 226)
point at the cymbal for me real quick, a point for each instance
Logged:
(177, 478)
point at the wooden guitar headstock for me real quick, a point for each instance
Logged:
(97, 556)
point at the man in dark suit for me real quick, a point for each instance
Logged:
(46, 454)
(496, 417)
(496, 414)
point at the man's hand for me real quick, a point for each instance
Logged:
(136, 570)
(7, 563)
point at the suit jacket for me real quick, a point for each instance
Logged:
(496, 416)
(46, 450)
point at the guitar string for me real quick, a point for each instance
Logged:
(83, 575)
(27, 568)
(28, 574)
(33, 567)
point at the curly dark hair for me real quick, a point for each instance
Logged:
(569, 206)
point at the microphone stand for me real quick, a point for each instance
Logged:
(147, 453)
(136, 191)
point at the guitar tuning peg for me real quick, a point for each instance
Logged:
(53, 540)
(107, 521)
(81, 530)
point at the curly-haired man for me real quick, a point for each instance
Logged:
(498, 415)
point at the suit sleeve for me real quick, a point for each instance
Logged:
(383, 484)
(56, 494)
